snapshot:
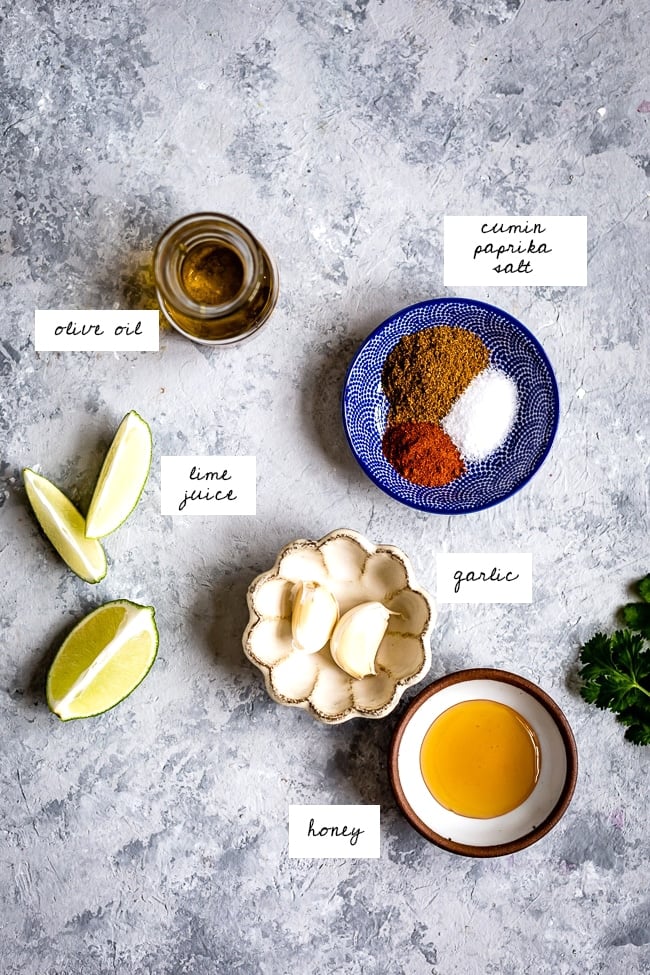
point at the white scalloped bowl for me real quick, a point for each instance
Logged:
(355, 571)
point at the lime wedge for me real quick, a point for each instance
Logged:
(104, 658)
(122, 477)
(65, 527)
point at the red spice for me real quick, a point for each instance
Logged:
(422, 453)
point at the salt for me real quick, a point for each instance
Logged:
(483, 415)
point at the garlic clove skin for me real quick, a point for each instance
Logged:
(355, 641)
(313, 617)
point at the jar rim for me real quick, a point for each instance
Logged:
(192, 230)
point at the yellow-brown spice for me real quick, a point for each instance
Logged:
(426, 371)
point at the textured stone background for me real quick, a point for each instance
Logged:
(154, 839)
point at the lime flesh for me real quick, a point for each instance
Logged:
(102, 660)
(65, 527)
(122, 477)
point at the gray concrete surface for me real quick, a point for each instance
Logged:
(154, 839)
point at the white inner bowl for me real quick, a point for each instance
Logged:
(525, 819)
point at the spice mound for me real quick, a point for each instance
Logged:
(483, 415)
(426, 372)
(448, 405)
(423, 453)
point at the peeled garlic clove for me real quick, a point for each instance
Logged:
(356, 638)
(314, 615)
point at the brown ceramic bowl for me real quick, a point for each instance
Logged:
(520, 827)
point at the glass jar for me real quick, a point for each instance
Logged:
(215, 282)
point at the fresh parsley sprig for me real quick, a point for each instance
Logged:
(616, 669)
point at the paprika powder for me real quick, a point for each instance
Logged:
(422, 453)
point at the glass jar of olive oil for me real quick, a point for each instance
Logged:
(215, 282)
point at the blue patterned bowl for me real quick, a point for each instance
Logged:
(512, 349)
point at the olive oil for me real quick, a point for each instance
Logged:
(480, 759)
(212, 274)
(215, 282)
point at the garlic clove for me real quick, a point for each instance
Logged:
(313, 617)
(355, 641)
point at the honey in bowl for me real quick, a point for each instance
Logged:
(480, 759)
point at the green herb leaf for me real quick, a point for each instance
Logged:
(616, 675)
(637, 617)
(638, 730)
(638, 734)
(643, 588)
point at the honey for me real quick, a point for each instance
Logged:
(215, 282)
(480, 759)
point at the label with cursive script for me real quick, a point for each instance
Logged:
(515, 251)
(484, 577)
(83, 330)
(207, 485)
(334, 831)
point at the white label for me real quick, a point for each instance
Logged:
(484, 577)
(515, 251)
(84, 330)
(321, 832)
(207, 485)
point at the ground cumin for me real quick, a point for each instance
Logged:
(422, 453)
(426, 371)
